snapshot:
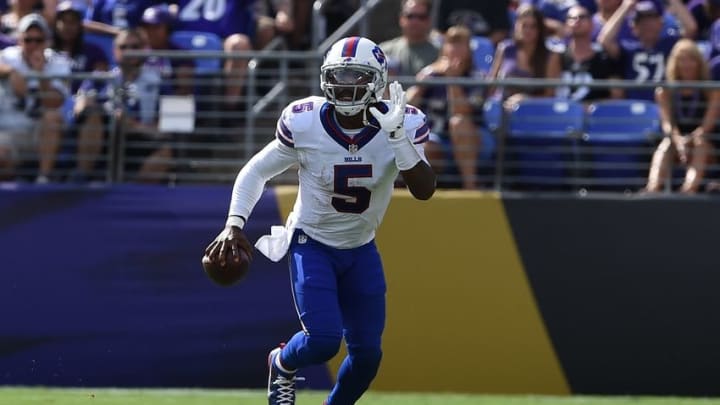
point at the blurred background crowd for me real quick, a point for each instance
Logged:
(610, 95)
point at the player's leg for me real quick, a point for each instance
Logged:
(315, 291)
(362, 301)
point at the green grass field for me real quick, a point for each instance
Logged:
(103, 396)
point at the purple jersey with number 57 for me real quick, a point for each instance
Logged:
(346, 177)
(645, 65)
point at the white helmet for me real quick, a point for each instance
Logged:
(353, 75)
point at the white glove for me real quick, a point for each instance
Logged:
(393, 120)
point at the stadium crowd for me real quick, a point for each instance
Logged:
(43, 120)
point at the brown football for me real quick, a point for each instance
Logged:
(229, 274)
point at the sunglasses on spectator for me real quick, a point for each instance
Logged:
(415, 16)
(578, 17)
(128, 46)
(33, 40)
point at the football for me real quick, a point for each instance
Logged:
(229, 274)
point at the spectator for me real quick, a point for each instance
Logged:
(6, 40)
(689, 119)
(670, 19)
(643, 59)
(555, 12)
(714, 67)
(413, 50)
(605, 10)
(68, 40)
(31, 107)
(714, 40)
(112, 16)
(299, 38)
(336, 12)
(236, 26)
(275, 18)
(132, 98)
(584, 60)
(454, 112)
(485, 18)
(20, 8)
(705, 12)
(526, 55)
(177, 73)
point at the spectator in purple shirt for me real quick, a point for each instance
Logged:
(705, 12)
(6, 41)
(68, 40)
(643, 59)
(525, 56)
(714, 39)
(177, 73)
(236, 25)
(111, 16)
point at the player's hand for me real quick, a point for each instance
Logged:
(392, 121)
(231, 240)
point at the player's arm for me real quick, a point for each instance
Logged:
(420, 180)
(272, 160)
(417, 173)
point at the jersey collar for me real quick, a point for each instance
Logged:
(338, 135)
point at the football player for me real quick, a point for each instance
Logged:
(349, 146)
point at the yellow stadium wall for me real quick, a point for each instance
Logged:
(461, 315)
(550, 294)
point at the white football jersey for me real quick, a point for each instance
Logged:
(346, 182)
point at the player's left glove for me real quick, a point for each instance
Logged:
(392, 121)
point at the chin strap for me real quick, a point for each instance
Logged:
(366, 121)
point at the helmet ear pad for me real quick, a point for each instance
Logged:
(353, 75)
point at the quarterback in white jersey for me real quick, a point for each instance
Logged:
(346, 176)
(349, 146)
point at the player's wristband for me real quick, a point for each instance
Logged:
(406, 156)
(235, 220)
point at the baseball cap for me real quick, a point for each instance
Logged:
(159, 14)
(33, 20)
(646, 8)
(71, 5)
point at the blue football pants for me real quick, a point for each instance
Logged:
(338, 293)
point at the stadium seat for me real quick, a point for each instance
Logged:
(200, 41)
(105, 42)
(706, 48)
(617, 144)
(483, 53)
(540, 142)
(492, 113)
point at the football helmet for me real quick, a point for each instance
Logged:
(353, 74)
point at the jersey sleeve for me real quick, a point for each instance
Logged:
(272, 160)
(416, 126)
(294, 119)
